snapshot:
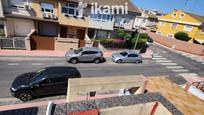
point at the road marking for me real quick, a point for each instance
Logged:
(174, 67)
(159, 58)
(188, 74)
(180, 70)
(163, 61)
(59, 64)
(168, 64)
(37, 63)
(202, 63)
(13, 64)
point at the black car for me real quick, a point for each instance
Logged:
(47, 81)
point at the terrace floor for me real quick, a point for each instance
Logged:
(184, 101)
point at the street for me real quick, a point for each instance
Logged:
(165, 63)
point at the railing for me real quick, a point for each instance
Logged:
(199, 85)
(12, 43)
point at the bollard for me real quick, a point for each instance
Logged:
(49, 107)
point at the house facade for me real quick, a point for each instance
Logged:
(148, 19)
(61, 24)
(179, 20)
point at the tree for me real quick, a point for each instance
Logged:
(182, 36)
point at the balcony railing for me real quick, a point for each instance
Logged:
(47, 15)
(199, 85)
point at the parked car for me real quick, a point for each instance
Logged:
(85, 54)
(127, 56)
(47, 81)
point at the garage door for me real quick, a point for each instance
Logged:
(23, 28)
(42, 43)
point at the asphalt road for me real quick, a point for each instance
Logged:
(11, 67)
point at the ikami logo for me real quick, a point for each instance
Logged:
(103, 9)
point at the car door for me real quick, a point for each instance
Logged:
(43, 87)
(132, 58)
(60, 84)
(87, 56)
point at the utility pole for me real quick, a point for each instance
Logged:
(138, 35)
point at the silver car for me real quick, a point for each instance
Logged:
(127, 57)
(85, 54)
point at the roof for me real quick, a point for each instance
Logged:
(198, 17)
(131, 6)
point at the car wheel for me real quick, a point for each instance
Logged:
(119, 61)
(137, 61)
(25, 96)
(97, 61)
(74, 61)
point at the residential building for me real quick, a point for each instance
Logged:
(148, 19)
(179, 20)
(61, 24)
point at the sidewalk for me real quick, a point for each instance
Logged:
(25, 53)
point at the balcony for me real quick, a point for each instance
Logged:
(47, 15)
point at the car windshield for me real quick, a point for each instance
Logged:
(78, 50)
(124, 53)
(37, 74)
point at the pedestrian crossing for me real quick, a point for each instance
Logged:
(193, 57)
(172, 66)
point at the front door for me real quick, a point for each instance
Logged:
(63, 32)
(43, 87)
(81, 37)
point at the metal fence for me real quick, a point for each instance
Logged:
(12, 43)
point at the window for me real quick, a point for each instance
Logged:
(174, 15)
(89, 52)
(2, 32)
(19, 3)
(59, 79)
(174, 25)
(124, 53)
(45, 81)
(70, 9)
(182, 15)
(48, 8)
(188, 28)
(132, 55)
(102, 17)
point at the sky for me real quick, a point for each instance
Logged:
(166, 6)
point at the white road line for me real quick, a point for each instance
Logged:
(168, 64)
(59, 64)
(174, 67)
(159, 58)
(13, 64)
(180, 70)
(164, 61)
(37, 63)
(202, 63)
(188, 74)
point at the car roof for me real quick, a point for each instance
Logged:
(59, 70)
(91, 48)
(131, 52)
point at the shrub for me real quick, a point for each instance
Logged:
(182, 36)
(112, 43)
